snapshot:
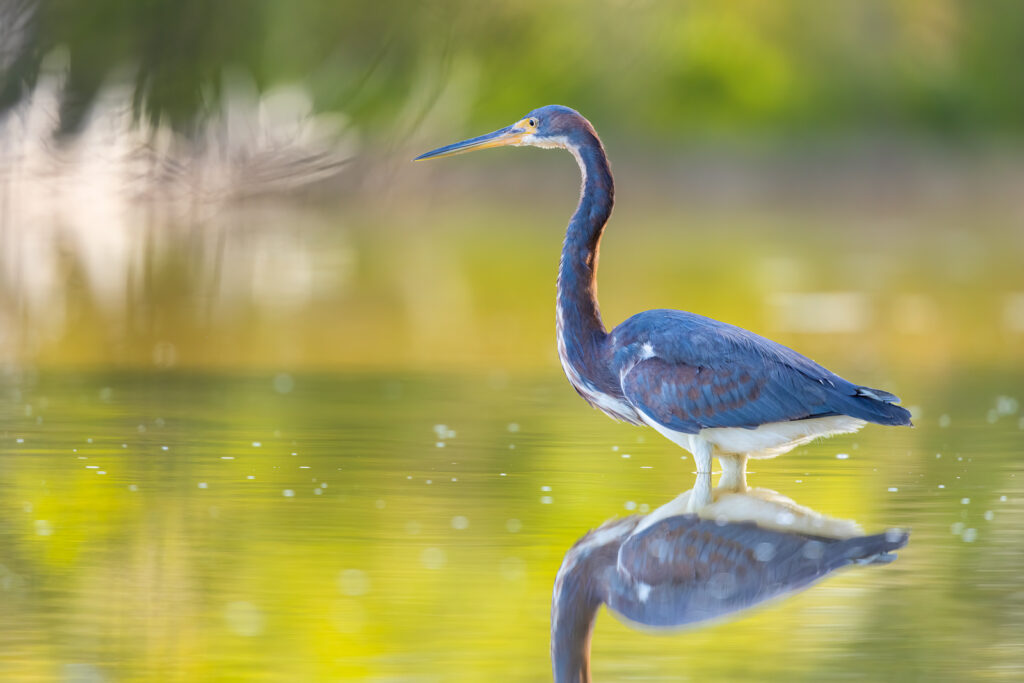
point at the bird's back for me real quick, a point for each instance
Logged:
(689, 372)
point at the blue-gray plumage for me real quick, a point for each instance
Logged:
(682, 570)
(711, 374)
(710, 387)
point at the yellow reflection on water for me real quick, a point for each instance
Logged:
(217, 557)
(473, 288)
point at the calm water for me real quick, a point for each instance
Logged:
(175, 526)
(338, 444)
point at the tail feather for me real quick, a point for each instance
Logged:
(884, 413)
(878, 395)
(876, 549)
(875, 405)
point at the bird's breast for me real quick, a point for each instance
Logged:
(585, 380)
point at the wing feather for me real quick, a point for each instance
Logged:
(707, 374)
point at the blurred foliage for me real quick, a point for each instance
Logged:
(447, 283)
(945, 68)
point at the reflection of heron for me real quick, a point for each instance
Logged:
(733, 501)
(683, 569)
(712, 388)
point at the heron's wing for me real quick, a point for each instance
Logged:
(685, 548)
(684, 569)
(688, 398)
(700, 373)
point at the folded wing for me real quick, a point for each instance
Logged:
(704, 374)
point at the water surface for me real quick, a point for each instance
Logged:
(404, 526)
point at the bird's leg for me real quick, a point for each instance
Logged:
(700, 496)
(734, 473)
(702, 455)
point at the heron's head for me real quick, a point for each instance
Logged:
(553, 126)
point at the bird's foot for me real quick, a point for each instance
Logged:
(734, 473)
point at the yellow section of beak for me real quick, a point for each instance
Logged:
(511, 135)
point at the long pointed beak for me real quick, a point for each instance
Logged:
(510, 135)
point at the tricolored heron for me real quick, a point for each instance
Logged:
(684, 569)
(710, 387)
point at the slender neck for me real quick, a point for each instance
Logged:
(578, 314)
(573, 612)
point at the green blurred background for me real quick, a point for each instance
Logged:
(279, 404)
(162, 156)
(652, 71)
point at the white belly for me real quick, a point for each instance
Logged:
(766, 441)
(768, 509)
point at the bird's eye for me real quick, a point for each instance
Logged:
(533, 123)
